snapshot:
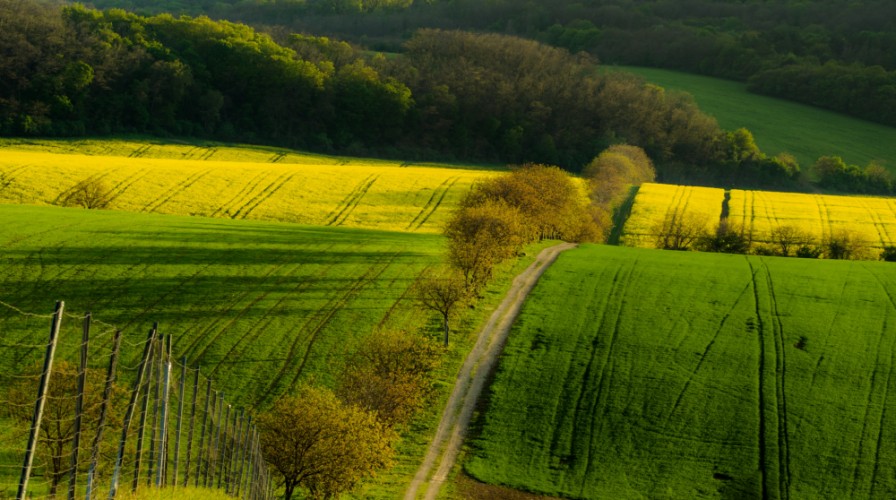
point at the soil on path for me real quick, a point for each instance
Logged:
(472, 377)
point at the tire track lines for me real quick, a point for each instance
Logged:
(319, 319)
(705, 352)
(763, 435)
(886, 390)
(139, 152)
(780, 388)
(602, 386)
(351, 202)
(878, 223)
(265, 194)
(254, 332)
(174, 191)
(824, 217)
(126, 184)
(428, 209)
(247, 188)
(566, 411)
(221, 314)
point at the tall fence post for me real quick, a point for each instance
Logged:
(192, 423)
(211, 432)
(180, 417)
(107, 394)
(163, 432)
(214, 453)
(41, 400)
(141, 430)
(79, 406)
(130, 411)
(153, 429)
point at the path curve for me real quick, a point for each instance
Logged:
(472, 377)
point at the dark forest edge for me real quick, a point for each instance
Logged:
(449, 95)
(834, 54)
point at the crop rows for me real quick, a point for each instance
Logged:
(637, 373)
(656, 203)
(871, 220)
(375, 195)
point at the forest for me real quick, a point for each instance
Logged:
(782, 48)
(450, 95)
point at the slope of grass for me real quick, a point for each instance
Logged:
(647, 374)
(246, 182)
(259, 305)
(783, 126)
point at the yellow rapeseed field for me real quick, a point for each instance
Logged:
(235, 182)
(871, 220)
(656, 202)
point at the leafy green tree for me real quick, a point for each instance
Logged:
(442, 291)
(314, 441)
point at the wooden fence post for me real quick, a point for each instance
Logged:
(41, 400)
(107, 394)
(79, 406)
(147, 351)
(190, 431)
(180, 417)
(163, 417)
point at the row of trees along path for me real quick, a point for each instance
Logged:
(443, 450)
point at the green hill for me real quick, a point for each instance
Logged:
(648, 374)
(782, 126)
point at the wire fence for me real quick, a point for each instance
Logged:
(90, 414)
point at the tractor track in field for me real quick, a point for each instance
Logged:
(429, 208)
(781, 387)
(120, 188)
(327, 313)
(762, 437)
(265, 194)
(472, 377)
(350, 203)
(174, 191)
(877, 222)
(706, 352)
(224, 208)
(619, 292)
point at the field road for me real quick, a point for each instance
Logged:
(480, 362)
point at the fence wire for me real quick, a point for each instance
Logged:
(130, 416)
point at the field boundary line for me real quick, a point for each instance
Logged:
(471, 379)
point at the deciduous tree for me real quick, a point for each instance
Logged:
(442, 291)
(314, 441)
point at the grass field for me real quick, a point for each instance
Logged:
(259, 305)
(243, 182)
(647, 374)
(779, 125)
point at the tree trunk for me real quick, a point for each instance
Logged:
(445, 325)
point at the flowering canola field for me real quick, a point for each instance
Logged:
(238, 183)
(654, 203)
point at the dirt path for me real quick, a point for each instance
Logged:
(471, 379)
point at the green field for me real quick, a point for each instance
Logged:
(638, 373)
(783, 126)
(260, 306)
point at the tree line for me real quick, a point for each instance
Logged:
(450, 95)
(780, 47)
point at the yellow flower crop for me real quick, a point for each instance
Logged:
(254, 183)
(656, 202)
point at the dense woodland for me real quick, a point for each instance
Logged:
(837, 54)
(450, 95)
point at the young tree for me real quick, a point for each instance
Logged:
(481, 236)
(389, 374)
(313, 440)
(57, 433)
(788, 238)
(88, 193)
(679, 231)
(442, 291)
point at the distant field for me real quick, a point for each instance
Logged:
(653, 374)
(871, 220)
(656, 202)
(779, 125)
(238, 182)
(259, 305)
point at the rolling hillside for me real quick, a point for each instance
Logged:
(238, 182)
(640, 373)
(783, 126)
